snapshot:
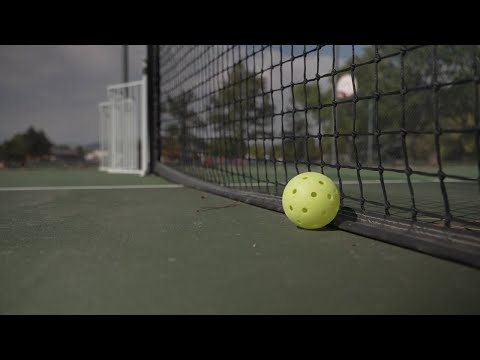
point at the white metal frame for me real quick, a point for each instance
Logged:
(123, 126)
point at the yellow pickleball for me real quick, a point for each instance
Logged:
(311, 200)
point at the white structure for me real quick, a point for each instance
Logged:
(123, 129)
(344, 87)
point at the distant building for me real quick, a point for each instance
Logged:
(95, 156)
(64, 155)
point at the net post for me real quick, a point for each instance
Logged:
(125, 63)
(144, 127)
(100, 135)
(153, 105)
(476, 110)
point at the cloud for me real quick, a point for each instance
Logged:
(87, 57)
(56, 88)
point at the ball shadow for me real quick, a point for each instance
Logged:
(347, 214)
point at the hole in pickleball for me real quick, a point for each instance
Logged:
(294, 191)
(304, 210)
(329, 196)
(305, 178)
(298, 221)
(324, 212)
(314, 194)
(320, 182)
(291, 207)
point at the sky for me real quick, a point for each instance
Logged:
(57, 88)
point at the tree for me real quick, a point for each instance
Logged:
(239, 109)
(16, 149)
(313, 116)
(32, 143)
(80, 151)
(181, 140)
(37, 143)
(387, 69)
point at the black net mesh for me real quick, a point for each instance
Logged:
(395, 126)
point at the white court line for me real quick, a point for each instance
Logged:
(174, 186)
(354, 182)
(107, 187)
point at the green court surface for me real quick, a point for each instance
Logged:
(71, 177)
(182, 251)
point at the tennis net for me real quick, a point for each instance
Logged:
(395, 126)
